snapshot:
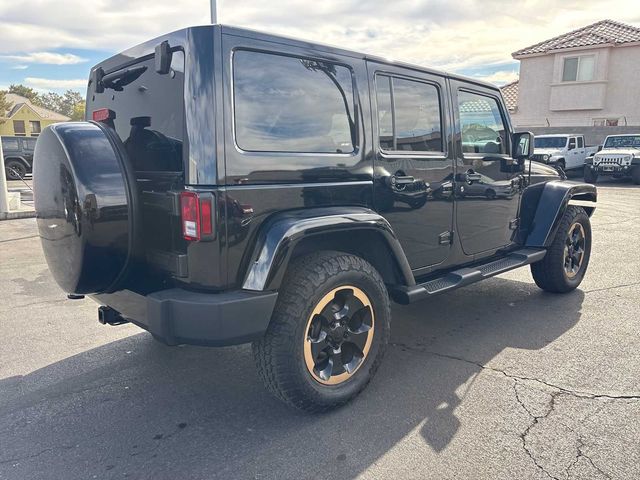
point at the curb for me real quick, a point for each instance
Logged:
(17, 214)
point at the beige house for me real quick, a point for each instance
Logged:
(588, 77)
(25, 119)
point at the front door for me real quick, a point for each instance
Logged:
(413, 167)
(488, 181)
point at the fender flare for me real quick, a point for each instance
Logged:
(281, 233)
(544, 204)
(22, 160)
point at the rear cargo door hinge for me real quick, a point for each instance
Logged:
(514, 224)
(445, 238)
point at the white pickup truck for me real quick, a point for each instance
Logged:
(568, 152)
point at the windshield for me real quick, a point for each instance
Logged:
(625, 141)
(550, 142)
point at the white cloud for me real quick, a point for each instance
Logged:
(451, 35)
(50, 58)
(19, 67)
(501, 77)
(53, 84)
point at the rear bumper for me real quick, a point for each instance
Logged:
(178, 316)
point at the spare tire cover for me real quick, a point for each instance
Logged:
(84, 196)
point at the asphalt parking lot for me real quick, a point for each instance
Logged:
(495, 381)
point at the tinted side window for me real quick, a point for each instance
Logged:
(290, 104)
(10, 144)
(580, 142)
(408, 115)
(29, 143)
(385, 115)
(481, 124)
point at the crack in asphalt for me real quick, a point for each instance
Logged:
(536, 419)
(37, 454)
(603, 289)
(565, 390)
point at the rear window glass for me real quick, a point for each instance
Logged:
(10, 144)
(291, 104)
(149, 115)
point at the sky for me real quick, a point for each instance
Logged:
(51, 45)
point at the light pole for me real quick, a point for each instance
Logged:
(214, 12)
(4, 200)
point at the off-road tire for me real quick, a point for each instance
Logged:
(549, 273)
(279, 353)
(15, 170)
(635, 174)
(490, 194)
(590, 176)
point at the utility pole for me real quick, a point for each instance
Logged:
(4, 200)
(214, 12)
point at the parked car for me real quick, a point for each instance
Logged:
(565, 151)
(618, 158)
(283, 193)
(18, 156)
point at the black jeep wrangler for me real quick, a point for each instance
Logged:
(230, 186)
(18, 156)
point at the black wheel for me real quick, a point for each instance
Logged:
(15, 170)
(635, 175)
(589, 175)
(490, 194)
(565, 264)
(328, 332)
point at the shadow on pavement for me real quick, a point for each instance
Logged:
(138, 409)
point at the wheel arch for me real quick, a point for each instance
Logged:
(18, 158)
(544, 204)
(356, 230)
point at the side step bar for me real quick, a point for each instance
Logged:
(466, 276)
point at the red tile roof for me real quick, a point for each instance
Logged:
(601, 33)
(510, 94)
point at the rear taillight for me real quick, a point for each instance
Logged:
(197, 215)
(103, 115)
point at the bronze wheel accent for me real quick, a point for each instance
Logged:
(574, 250)
(338, 335)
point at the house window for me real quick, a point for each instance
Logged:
(35, 127)
(18, 128)
(578, 69)
(605, 122)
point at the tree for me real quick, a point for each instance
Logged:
(70, 104)
(26, 92)
(64, 104)
(5, 105)
(78, 111)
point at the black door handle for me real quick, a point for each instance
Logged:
(402, 179)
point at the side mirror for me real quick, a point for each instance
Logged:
(522, 145)
(600, 147)
(572, 146)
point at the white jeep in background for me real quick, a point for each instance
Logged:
(568, 152)
(619, 157)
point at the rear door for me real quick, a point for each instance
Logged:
(578, 154)
(413, 160)
(489, 181)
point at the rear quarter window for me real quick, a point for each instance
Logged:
(292, 104)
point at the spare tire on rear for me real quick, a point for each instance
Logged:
(85, 201)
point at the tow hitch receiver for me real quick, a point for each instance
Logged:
(109, 316)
